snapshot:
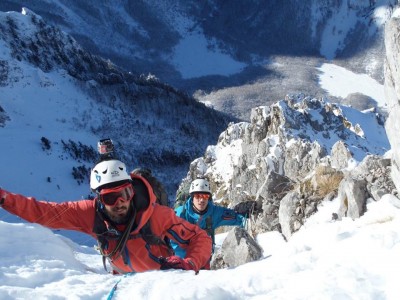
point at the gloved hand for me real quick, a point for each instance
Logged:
(175, 262)
(246, 208)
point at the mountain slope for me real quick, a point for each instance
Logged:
(147, 36)
(52, 88)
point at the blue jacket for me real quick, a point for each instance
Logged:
(214, 217)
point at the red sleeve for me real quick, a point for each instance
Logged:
(192, 238)
(77, 215)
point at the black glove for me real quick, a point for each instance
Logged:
(175, 262)
(245, 208)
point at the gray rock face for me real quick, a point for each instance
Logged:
(238, 248)
(376, 171)
(340, 155)
(392, 93)
(352, 195)
(301, 157)
(287, 211)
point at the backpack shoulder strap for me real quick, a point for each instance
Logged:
(210, 231)
(147, 234)
(209, 226)
(183, 212)
(151, 239)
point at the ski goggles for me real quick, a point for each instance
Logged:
(203, 196)
(111, 196)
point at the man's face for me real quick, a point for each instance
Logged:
(117, 202)
(120, 212)
(200, 201)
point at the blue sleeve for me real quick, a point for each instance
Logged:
(178, 250)
(223, 216)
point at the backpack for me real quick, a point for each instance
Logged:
(162, 199)
(158, 188)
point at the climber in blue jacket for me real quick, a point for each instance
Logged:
(199, 209)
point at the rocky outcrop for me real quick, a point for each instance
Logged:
(237, 249)
(352, 195)
(340, 155)
(369, 180)
(295, 154)
(392, 93)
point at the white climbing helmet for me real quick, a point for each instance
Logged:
(200, 186)
(106, 172)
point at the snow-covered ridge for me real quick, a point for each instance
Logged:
(274, 130)
(327, 123)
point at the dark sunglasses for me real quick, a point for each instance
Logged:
(112, 195)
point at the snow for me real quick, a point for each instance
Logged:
(60, 97)
(347, 259)
(384, 11)
(336, 30)
(396, 13)
(226, 158)
(194, 58)
(344, 20)
(340, 82)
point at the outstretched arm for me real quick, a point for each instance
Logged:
(223, 216)
(77, 215)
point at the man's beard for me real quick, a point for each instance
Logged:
(122, 219)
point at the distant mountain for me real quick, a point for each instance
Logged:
(273, 46)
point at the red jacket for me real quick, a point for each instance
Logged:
(81, 215)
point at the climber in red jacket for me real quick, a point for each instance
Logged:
(131, 228)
